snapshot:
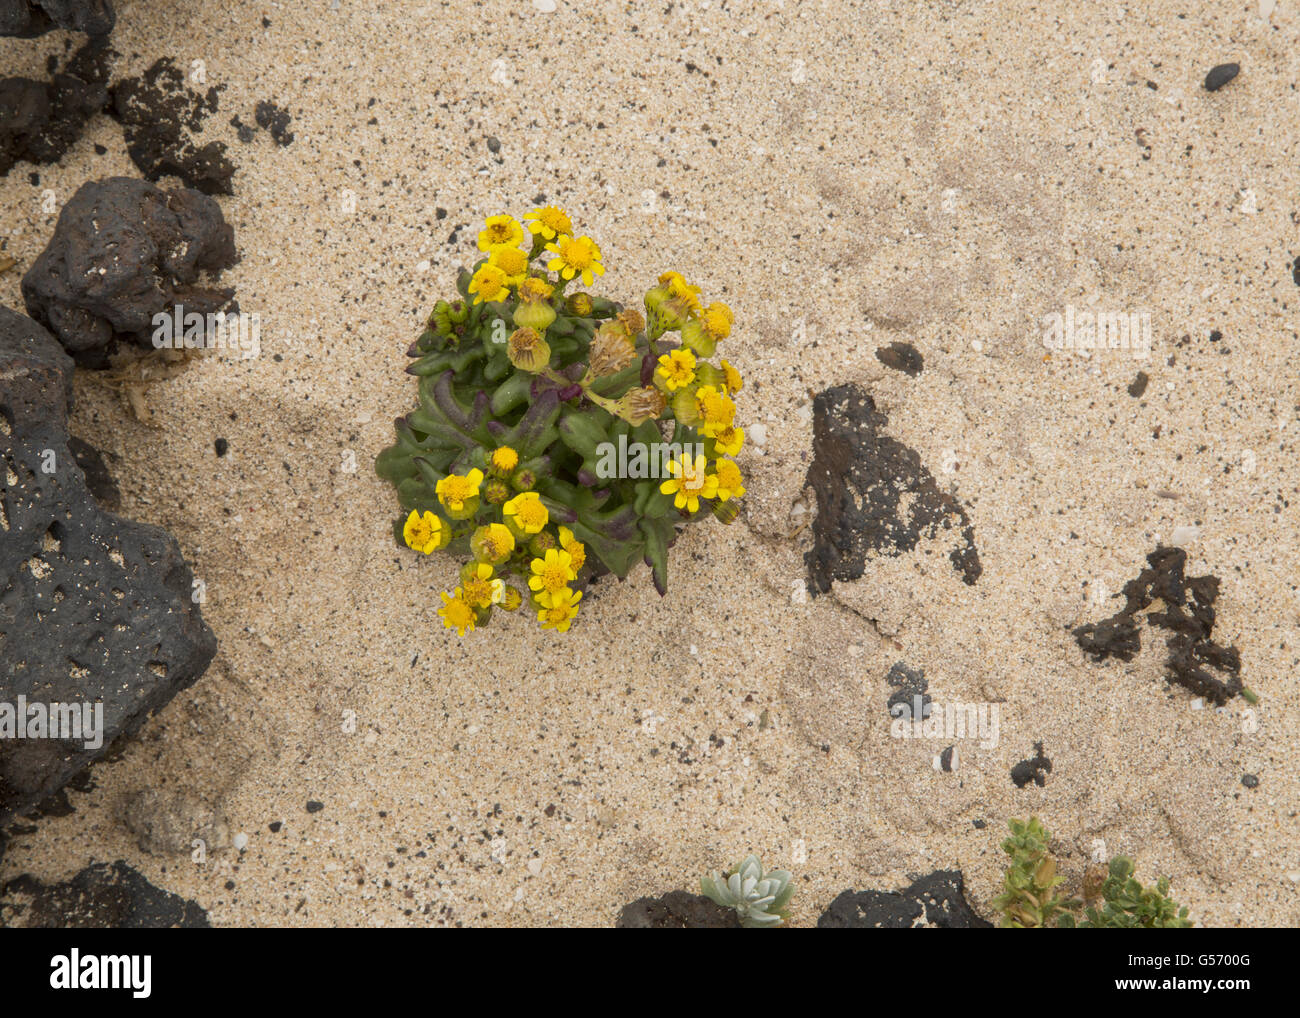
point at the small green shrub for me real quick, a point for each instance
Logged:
(1127, 905)
(1029, 899)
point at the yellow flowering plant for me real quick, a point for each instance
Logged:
(526, 392)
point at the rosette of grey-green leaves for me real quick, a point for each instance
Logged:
(758, 897)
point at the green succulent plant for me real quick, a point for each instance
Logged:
(1127, 905)
(758, 896)
(1029, 899)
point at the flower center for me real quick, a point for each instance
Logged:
(577, 254)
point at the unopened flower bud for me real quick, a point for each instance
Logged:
(698, 338)
(535, 315)
(685, 409)
(725, 512)
(578, 304)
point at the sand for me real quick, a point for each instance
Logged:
(844, 176)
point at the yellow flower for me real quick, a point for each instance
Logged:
(677, 369)
(687, 296)
(689, 483)
(734, 382)
(551, 575)
(454, 490)
(492, 543)
(489, 283)
(549, 221)
(729, 440)
(576, 549)
(534, 289)
(511, 261)
(526, 512)
(563, 607)
(423, 532)
(717, 411)
(575, 256)
(505, 459)
(730, 483)
(717, 320)
(456, 612)
(477, 589)
(500, 230)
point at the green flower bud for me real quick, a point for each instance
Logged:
(725, 512)
(707, 374)
(535, 315)
(578, 304)
(542, 543)
(685, 409)
(695, 336)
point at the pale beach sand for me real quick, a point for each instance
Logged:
(944, 174)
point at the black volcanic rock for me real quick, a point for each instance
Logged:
(677, 910)
(40, 121)
(28, 18)
(1033, 770)
(873, 494)
(99, 897)
(1195, 661)
(123, 251)
(160, 116)
(934, 901)
(274, 119)
(94, 609)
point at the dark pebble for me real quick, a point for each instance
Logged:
(979, 825)
(100, 150)
(314, 807)
(494, 146)
(1139, 385)
(1220, 76)
(275, 826)
(1250, 780)
(221, 445)
(1295, 271)
(902, 357)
